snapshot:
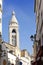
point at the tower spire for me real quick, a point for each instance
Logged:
(14, 31)
(13, 13)
(13, 19)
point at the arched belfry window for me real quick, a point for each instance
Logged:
(13, 31)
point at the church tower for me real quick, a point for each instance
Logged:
(14, 31)
(0, 17)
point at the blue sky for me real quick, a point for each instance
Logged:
(24, 11)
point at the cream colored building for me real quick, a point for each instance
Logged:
(12, 53)
(25, 57)
(3, 50)
(38, 9)
(3, 53)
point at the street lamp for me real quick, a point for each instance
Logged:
(35, 45)
(33, 38)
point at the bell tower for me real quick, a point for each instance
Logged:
(0, 17)
(13, 31)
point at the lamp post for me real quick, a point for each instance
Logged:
(35, 45)
(33, 38)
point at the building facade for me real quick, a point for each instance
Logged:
(10, 53)
(14, 31)
(3, 54)
(39, 21)
(38, 9)
(15, 55)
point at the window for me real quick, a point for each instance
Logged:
(0, 35)
(14, 40)
(0, 5)
(0, 20)
(42, 15)
(9, 63)
(0, 47)
(13, 31)
(4, 62)
(11, 51)
(20, 63)
(39, 44)
(12, 64)
(38, 17)
(42, 40)
(40, 4)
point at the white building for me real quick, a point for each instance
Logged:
(14, 56)
(3, 54)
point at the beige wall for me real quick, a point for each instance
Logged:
(3, 56)
(14, 25)
(39, 21)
